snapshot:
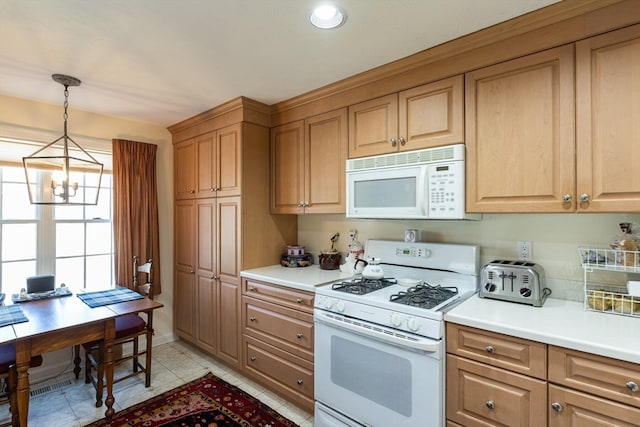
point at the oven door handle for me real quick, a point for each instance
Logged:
(381, 333)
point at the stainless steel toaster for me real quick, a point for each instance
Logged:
(516, 281)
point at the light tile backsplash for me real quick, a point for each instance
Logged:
(555, 239)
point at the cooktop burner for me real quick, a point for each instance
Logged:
(362, 286)
(424, 295)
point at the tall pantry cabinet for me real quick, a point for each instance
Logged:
(222, 221)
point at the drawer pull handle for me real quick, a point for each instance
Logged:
(490, 349)
(632, 386)
(252, 319)
(252, 358)
(299, 382)
(489, 404)
(299, 300)
(557, 407)
(299, 336)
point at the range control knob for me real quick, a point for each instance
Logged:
(490, 287)
(328, 303)
(525, 292)
(413, 324)
(396, 320)
(340, 306)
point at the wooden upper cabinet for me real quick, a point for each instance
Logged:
(209, 164)
(520, 134)
(184, 170)
(608, 121)
(308, 165)
(427, 116)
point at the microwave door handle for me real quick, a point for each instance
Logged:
(423, 191)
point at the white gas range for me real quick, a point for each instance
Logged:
(375, 336)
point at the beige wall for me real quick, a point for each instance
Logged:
(555, 237)
(20, 116)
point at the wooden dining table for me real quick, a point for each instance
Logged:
(57, 323)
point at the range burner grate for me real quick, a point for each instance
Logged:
(362, 286)
(424, 295)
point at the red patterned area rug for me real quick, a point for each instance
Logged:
(206, 402)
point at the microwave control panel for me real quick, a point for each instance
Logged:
(446, 190)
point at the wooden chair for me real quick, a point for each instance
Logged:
(9, 374)
(129, 328)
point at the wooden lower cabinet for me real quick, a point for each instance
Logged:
(481, 395)
(277, 340)
(571, 408)
(490, 383)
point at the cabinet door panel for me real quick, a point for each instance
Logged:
(372, 124)
(206, 301)
(432, 115)
(580, 410)
(287, 166)
(608, 121)
(479, 395)
(520, 134)
(326, 153)
(206, 222)
(185, 246)
(206, 165)
(185, 299)
(228, 238)
(229, 322)
(184, 170)
(229, 178)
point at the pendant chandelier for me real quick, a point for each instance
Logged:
(62, 172)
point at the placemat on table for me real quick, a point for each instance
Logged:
(109, 296)
(11, 314)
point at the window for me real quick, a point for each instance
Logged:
(73, 242)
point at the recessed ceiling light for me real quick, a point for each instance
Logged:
(327, 16)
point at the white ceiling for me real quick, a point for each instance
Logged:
(163, 61)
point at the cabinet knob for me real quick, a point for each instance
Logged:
(584, 197)
(402, 140)
(253, 289)
(490, 349)
(392, 141)
(252, 358)
(299, 300)
(557, 407)
(212, 189)
(192, 272)
(489, 404)
(632, 386)
(299, 382)
(566, 198)
(192, 191)
(252, 319)
(299, 336)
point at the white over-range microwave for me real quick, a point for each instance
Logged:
(420, 184)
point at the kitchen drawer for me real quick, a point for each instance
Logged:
(283, 372)
(575, 409)
(292, 298)
(609, 378)
(504, 351)
(481, 395)
(281, 326)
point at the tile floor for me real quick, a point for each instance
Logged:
(173, 365)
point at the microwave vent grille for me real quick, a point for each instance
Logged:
(407, 158)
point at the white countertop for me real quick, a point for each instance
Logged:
(303, 278)
(558, 322)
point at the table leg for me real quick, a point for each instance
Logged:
(23, 357)
(109, 335)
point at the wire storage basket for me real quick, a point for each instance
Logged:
(607, 298)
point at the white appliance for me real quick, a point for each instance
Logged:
(424, 184)
(379, 344)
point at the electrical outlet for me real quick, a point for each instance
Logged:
(525, 251)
